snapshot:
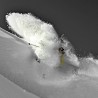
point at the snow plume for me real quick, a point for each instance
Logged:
(43, 35)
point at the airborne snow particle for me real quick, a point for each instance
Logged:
(46, 43)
